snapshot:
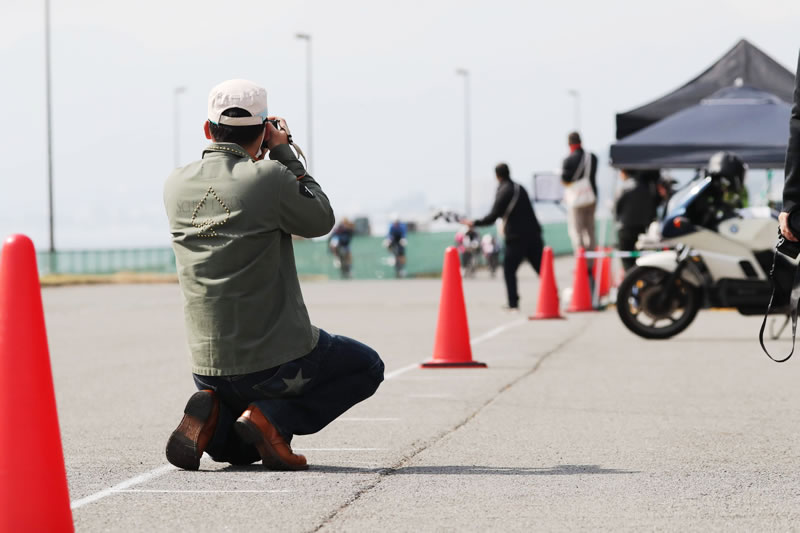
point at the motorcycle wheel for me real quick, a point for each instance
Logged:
(645, 313)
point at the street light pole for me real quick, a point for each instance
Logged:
(467, 144)
(48, 107)
(577, 117)
(176, 139)
(309, 149)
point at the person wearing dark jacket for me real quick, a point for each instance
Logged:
(523, 234)
(635, 209)
(791, 187)
(579, 166)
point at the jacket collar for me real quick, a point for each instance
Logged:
(226, 148)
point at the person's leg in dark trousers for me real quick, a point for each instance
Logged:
(514, 255)
(299, 397)
(534, 254)
(309, 393)
(627, 237)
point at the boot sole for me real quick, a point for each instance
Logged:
(182, 444)
(250, 434)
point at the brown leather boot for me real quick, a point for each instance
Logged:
(276, 454)
(188, 442)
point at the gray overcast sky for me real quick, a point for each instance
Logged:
(388, 106)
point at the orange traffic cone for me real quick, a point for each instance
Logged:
(547, 306)
(33, 482)
(452, 347)
(581, 294)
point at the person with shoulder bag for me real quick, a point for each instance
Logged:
(580, 193)
(523, 234)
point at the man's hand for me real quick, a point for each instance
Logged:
(467, 222)
(783, 220)
(275, 136)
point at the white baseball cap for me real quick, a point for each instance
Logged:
(243, 94)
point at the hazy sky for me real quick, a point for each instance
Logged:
(388, 106)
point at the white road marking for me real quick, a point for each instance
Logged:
(163, 469)
(355, 419)
(477, 340)
(178, 491)
(497, 331)
(137, 480)
(394, 373)
(339, 449)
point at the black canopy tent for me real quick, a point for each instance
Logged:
(743, 62)
(752, 123)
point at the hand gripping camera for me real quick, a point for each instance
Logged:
(277, 125)
(785, 246)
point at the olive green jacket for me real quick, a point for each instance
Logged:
(231, 220)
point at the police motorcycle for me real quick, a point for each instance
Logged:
(714, 253)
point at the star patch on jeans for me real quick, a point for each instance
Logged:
(296, 384)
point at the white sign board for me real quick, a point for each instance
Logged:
(547, 187)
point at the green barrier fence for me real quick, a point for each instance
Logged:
(370, 259)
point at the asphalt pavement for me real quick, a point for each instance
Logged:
(576, 424)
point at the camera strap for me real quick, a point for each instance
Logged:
(299, 151)
(511, 205)
(794, 299)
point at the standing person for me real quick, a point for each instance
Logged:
(522, 231)
(791, 187)
(665, 186)
(263, 371)
(635, 209)
(578, 175)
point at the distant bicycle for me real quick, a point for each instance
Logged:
(469, 248)
(342, 259)
(491, 253)
(398, 252)
(339, 245)
(396, 242)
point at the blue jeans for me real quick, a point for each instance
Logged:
(299, 397)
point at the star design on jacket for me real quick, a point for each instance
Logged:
(206, 226)
(296, 384)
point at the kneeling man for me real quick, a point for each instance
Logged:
(263, 371)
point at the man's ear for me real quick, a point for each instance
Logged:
(207, 130)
